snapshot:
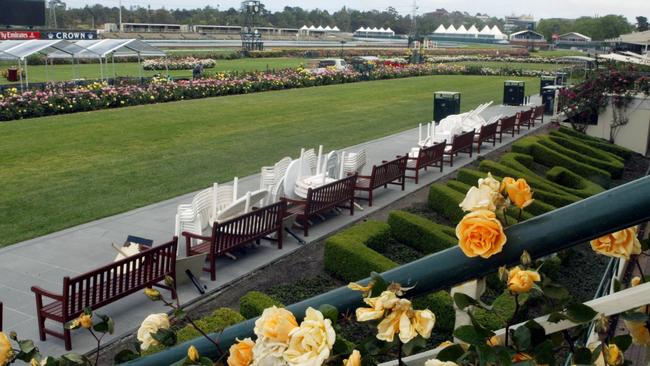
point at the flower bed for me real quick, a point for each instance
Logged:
(187, 63)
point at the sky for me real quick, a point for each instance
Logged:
(498, 8)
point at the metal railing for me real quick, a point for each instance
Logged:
(612, 210)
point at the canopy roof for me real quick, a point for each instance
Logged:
(472, 30)
(118, 48)
(20, 50)
(638, 38)
(441, 29)
(628, 59)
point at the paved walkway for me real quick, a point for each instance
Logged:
(44, 261)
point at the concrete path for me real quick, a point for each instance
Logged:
(44, 261)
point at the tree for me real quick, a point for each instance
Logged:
(641, 23)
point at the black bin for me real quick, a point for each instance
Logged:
(548, 98)
(445, 104)
(546, 81)
(513, 92)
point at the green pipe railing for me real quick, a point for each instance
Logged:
(612, 210)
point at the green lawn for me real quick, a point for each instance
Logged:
(37, 73)
(65, 170)
(515, 65)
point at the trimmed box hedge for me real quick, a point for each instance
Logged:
(421, 233)
(581, 146)
(441, 304)
(593, 157)
(567, 178)
(555, 157)
(595, 142)
(349, 255)
(253, 304)
(445, 200)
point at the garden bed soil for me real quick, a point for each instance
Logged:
(301, 275)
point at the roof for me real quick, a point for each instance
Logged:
(526, 31)
(577, 34)
(23, 49)
(622, 58)
(639, 38)
(117, 48)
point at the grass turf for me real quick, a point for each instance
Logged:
(65, 170)
(37, 73)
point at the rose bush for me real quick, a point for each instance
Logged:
(621, 244)
(151, 324)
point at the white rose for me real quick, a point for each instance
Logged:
(311, 343)
(268, 353)
(489, 182)
(151, 324)
(439, 363)
(482, 198)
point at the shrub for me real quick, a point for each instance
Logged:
(216, 322)
(421, 233)
(569, 179)
(555, 156)
(445, 201)
(514, 161)
(584, 148)
(349, 254)
(580, 152)
(253, 304)
(441, 304)
(524, 145)
(595, 142)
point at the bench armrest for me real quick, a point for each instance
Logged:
(364, 176)
(41, 292)
(189, 235)
(290, 200)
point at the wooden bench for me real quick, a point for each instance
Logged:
(507, 124)
(322, 199)
(462, 143)
(488, 133)
(525, 118)
(230, 234)
(538, 114)
(389, 172)
(105, 285)
(431, 156)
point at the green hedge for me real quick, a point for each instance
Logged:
(445, 200)
(253, 304)
(421, 233)
(538, 207)
(216, 322)
(349, 254)
(581, 146)
(580, 152)
(567, 178)
(518, 162)
(555, 157)
(441, 304)
(595, 142)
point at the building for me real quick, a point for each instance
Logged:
(153, 28)
(471, 35)
(318, 31)
(374, 33)
(573, 37)
(529, 39)
(636, 42)
(519, 22)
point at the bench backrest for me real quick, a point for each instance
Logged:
(432, 153)
(330, 195)
(104, 285)
(525, 116)
(538, 111)
(248, 227)
(388, 171)
(508, 123)
(462, 141)
(488, 130)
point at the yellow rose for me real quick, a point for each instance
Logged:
(440, 363)
(614, 355)
(424, 321)
(521, 281)
(86, 321)
(639, 330)
(152, 294)
(490, 182)
(6, 352)
(621, 244)
(518, 191)
(354, 360)
(193, 354)
(636, 281)
(311, 342)
(480, 234)
(521, 357)
(445, 344)
(151, 325)
(275, 324)
(495, 341)
(378, 305)
(357, 287)
(241, 353)
(396, 322)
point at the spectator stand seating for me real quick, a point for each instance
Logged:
(235, 232)
(339, 193)
(389, 172)
(507, 124)
(423, 158)
(488, 133)
(463, 142)
(103, 286)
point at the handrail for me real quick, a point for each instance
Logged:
(612, 210)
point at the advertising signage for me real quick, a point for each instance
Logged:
(68, 35)
(19, 35)
(22, 12)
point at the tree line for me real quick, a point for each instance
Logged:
(598, 28)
